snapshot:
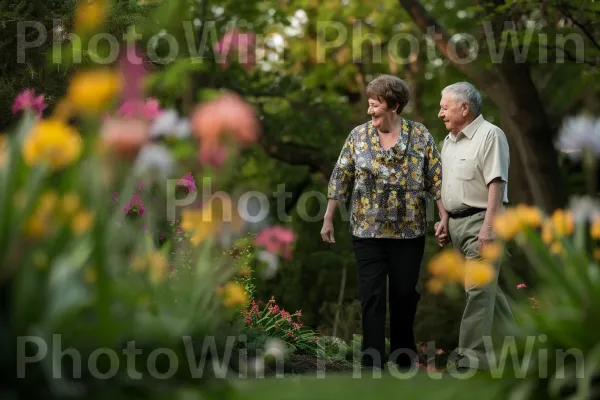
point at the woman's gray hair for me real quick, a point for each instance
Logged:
(465, 92)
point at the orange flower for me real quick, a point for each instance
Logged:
(228, 115)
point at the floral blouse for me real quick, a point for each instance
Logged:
(387, 188)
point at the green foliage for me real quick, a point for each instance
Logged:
(277, 323)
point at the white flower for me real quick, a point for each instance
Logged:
(275, 347)
(584, 208)
(154, 159)
(577, 134)
(168, 123)
(272, 262)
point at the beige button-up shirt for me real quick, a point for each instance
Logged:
(470, 160)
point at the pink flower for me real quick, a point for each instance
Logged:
(188, 182)
(136, 205)
(134, 72)
(237, 43)
(27, 100)
(134, 108)
(126, 136)
(521, 286)
(276, 240)
(228, 116)
(213, 156)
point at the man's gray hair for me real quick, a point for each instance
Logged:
(465, 92)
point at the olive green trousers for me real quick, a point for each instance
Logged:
(486, 306)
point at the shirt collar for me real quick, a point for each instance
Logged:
(470, 129)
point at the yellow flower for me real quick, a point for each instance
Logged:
(514, 220)
(82, 222)
(36, 226)
(70, 203)
(207, 221)
(89, 14)
(435, 285)
(91, 91)
(447, 265)
(158, 266)
(234, 295)
(595, 229)
(562, 222)
(491, 252)
(547, 232)
(48, 201)
(53, 142)
(556, 247)
(529, 215)
(507, 225)
(478, 273)
(138, 264)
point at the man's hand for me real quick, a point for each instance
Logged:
(327, 231)
(441, 232)
(486, 237)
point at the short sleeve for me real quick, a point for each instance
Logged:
(342, 177)
(496, 158)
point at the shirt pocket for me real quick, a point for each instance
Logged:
(466, 169)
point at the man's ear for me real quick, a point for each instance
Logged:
(466, 108)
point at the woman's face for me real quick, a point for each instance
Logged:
(381, 114)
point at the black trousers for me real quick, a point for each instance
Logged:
(398, 260)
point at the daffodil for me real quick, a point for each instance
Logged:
(52, 142)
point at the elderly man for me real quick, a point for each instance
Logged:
(475, 160)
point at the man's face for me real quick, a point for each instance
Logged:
(453, 113)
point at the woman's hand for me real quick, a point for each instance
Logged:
(327, 231)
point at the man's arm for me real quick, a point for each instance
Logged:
(494, 207)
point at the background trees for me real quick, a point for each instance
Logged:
(312, 92)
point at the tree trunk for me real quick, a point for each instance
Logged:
(526, 124)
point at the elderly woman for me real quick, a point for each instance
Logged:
(388, 166)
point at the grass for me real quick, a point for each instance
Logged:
(347, 387)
